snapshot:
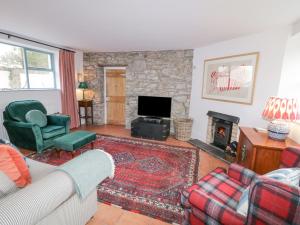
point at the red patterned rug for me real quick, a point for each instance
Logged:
(148, 178)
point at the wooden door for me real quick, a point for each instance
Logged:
(115, 96)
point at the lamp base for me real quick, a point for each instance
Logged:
(278, 130)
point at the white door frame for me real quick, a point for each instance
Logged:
(104, 94)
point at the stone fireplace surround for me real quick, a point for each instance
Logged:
(149, 73)
(207, 146)
(210, 126)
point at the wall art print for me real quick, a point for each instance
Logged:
(230, 78)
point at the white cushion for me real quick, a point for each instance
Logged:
(290, 176)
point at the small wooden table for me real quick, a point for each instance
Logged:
(256, 151)
(85, 104)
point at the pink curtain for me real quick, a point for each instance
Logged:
(68, 90)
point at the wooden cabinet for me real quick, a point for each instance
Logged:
(258, 152)
(86, 104)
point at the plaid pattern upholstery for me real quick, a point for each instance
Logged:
(242, 174)
(213, 200)
(217, 185)
(214, 210)
(273, 202)
(290, 157)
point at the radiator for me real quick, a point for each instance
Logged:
(3, 134)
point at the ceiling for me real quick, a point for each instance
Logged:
(136, 25)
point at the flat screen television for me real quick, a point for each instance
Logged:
(154, 106)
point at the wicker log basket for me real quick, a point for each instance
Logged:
(183, 128)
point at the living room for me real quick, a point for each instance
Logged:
(124, 113)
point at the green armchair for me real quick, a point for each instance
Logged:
(29, 135)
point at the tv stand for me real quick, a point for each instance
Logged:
(152, 119)
(150, 128)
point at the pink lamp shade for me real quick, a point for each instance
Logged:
(281, 109)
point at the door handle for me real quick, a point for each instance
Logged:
(244, 152)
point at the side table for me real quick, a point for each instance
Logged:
(256, 151)
(85, 103)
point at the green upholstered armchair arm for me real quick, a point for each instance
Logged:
(61, 120)
(25, 135)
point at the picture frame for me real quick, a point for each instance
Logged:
(231, 78)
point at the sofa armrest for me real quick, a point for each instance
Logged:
(216, 210)
(59, 119)
(185, 193)
(273, 202)
(34, 202)
(242, 174)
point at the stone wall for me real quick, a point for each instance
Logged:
(155, 73)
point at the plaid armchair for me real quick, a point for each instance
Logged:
(214, 199)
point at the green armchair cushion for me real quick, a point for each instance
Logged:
(36, 117)
(52, 131)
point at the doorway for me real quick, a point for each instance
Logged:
(115, 95)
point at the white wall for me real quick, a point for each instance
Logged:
(290, 79)
(296, 27)
(271, 46)
(78, 63)
(50, 98)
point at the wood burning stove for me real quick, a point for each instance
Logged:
(221, 133)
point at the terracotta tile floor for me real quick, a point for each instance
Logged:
(113, 215)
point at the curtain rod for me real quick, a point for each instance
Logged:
(37, 42)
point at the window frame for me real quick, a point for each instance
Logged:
(27, 67)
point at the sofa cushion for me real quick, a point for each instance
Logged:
(38, 170)
(52, 131)
(18, 109)
(290, 176)
(14, 166)
(7, 186)
(219, 186)
(36, 117)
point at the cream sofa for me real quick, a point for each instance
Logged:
(49, 200)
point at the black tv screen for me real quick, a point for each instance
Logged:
(154, 106)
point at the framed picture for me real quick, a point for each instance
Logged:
(230, 78)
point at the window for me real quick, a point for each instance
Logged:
(24, 68)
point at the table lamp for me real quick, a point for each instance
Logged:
(83, 85)
(279, 111)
